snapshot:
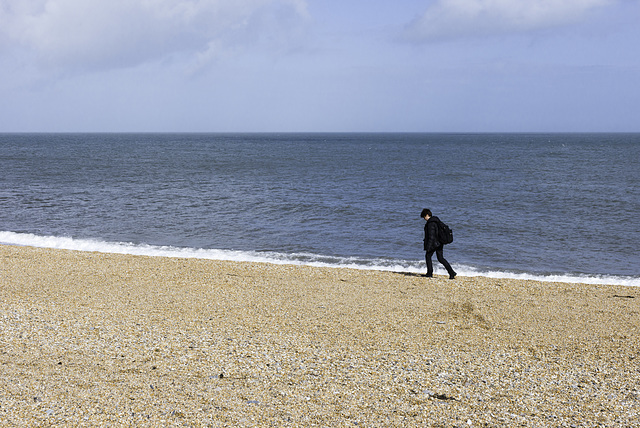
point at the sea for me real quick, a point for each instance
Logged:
(551, 207)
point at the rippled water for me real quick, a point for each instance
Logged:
(545, 204)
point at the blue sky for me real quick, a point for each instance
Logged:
(319, 65)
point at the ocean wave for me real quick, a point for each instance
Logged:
(306, 259)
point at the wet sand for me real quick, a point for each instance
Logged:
(92, 339)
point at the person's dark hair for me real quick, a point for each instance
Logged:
(425, 212)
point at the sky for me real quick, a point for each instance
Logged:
(319, 66)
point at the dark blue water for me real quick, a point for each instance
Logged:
(528, 204)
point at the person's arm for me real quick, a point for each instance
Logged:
(432, 242)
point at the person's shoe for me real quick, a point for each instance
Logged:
(428, 276)
(453, 276)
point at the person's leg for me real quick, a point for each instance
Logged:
(445, 263)
(427, 257)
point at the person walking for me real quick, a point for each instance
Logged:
(432, 245)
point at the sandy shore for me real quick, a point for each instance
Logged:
(91, 339)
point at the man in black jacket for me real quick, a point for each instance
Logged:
(432, 245)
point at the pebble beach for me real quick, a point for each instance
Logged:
(95, 339)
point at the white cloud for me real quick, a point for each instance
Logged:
(449, 19)
(116, 33)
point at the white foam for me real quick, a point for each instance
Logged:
(567, 278)
(404, 266)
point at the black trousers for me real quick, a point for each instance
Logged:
(441, 259)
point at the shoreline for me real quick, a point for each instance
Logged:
(91, 338)
(335, 262)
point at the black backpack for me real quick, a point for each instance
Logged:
(445, 234)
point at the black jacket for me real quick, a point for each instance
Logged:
(431, 234)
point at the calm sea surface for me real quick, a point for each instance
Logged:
(559, 206)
